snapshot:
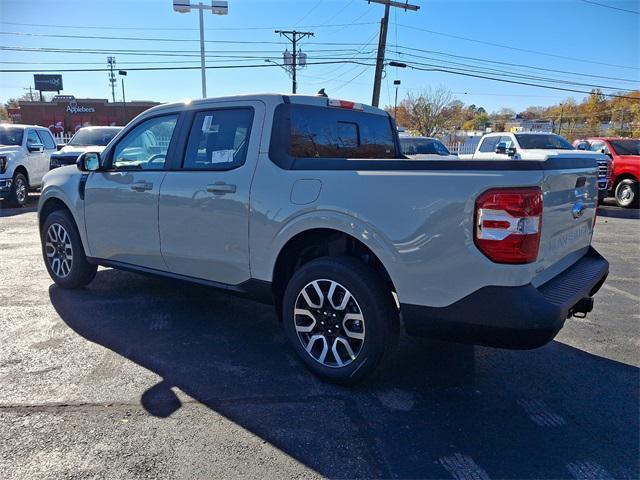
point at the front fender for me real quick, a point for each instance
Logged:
(65, 187)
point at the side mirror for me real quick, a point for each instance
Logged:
(35, 147)
(60, 146)
(501, 149)
(511, 151)
(88, 162)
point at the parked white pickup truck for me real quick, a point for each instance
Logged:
(308, 203)
(24, 160)
(536, 146)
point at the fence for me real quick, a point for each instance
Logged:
(462, 148)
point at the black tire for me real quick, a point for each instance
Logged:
(19, 191)
(368, 294)
(60, 240)
(627, 193)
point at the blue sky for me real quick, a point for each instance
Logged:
(585, 34)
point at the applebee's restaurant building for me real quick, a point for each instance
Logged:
(65, 114)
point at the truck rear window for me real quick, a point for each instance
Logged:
(319, 132)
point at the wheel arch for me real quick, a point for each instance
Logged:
(624, 176)
(314, 243)
(51, 205)
(23, 170)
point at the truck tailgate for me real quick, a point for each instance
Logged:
(570, 195)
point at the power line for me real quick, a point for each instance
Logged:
(505, 73)
(261, 65)
(511, 64)
(610, 6)
(516, 48)
(178, 29)
(178, 40)
(443, 70)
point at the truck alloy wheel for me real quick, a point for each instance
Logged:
(329, 323)
(59, 250)
(626, 193)
(340, 318)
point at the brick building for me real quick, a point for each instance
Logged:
(65, 113)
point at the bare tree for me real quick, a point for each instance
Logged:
(427, 110)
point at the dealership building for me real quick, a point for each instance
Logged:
(65, 114)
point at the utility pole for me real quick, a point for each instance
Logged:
(30, 92)
(294, 37)
(622, 122)
(111, 62)
(395, 105)
(382, 43)
(561, 115)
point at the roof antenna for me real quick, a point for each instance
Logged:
(321, 93)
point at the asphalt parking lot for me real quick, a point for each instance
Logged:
(135, 377)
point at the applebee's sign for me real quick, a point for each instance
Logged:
(73, 107)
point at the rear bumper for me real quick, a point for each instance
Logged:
(512, 317)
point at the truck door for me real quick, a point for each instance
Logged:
(35, 158)
(204, 199)
(121, 203)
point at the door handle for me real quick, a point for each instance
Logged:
(141, 186)
(221, 188)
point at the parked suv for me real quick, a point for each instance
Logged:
(24, 160)
(86, 139)
(624, 171)
(307, 203)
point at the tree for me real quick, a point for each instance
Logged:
(593, 109)
(499, 118)
(428, 112)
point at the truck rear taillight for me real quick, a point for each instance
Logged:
(508, 222)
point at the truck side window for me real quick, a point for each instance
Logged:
(145, 147)
(219, 139)
(489, 144)
(318, 132)
(33, 138)
(47, 140)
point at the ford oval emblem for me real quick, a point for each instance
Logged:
(578, 209)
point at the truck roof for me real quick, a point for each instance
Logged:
(20, 125)
(267, 98)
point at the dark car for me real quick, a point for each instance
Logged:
(86, 139)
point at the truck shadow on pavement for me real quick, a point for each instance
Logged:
(437, 411)
(30, 206)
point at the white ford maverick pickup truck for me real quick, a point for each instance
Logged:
(307, 203)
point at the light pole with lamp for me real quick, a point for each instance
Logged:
(217, 8)
(123, 73)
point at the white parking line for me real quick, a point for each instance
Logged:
(541, 414)
(630, 296)
(588, 471)
(462, 467)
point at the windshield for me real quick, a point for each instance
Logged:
(543, 142)
(11, 136)
(423, 146)
(626, 147)
(93, 136)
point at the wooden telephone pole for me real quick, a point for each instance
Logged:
(294, 37)
(382, 43)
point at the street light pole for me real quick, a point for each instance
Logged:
(202, 65)
(123, 73)
(217, 8)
